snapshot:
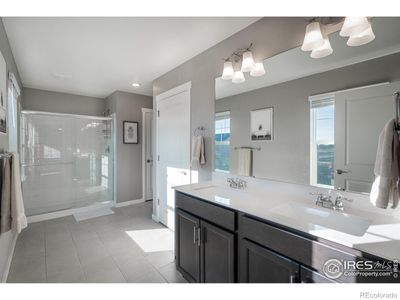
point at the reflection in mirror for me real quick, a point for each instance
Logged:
(316, 121)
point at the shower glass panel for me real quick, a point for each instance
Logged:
(67, 161)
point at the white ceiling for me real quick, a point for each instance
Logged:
(295, 63)
(96, 56)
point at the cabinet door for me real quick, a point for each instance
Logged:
(310, 276)
(217, 254)
(187, 250)
(260, 265)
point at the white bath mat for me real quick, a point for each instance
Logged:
(95, 213)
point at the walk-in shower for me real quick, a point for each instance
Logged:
(67, 161)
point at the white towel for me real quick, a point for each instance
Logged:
(245, 162)
(198, 152)
(385, 189)
(18, 217)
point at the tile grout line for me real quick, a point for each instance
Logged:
(45, 252)
(113, 259)
(77, 254)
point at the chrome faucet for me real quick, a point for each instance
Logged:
(327, 201)
(237, 183)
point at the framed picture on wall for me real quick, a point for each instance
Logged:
(262, 124)
(131, 132)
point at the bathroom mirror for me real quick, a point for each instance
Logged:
(311, 121)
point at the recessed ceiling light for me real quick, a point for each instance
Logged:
(136, 85)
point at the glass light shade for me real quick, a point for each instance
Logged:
(354, 25)
(313, 38)
(322, 51)
(258, 70)
(247, 62)
(238, 77)
(361, 39)
(227, 73)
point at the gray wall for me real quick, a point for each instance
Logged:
(270, 37)
(43, 100)
(6, 239)
(128, 107)
(287, 157)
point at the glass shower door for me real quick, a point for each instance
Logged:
(67, 161)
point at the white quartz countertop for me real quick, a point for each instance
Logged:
(369, 232)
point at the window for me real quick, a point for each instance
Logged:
(322, 140)
(222, 141)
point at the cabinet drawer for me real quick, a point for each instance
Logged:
(210, 212)
(305, 251)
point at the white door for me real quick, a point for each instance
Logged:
(360, 116)
(173, 148)
(148, 154)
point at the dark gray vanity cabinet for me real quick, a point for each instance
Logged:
(217, 254)
(309, 276)
(204, 249)
(186, 246)
(260, 265)
(218, 244)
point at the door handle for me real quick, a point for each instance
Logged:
(198, 236)
(340, 172)
(149, 160)
(195, 235)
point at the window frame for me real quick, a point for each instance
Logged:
(329, 98)
(217, 115)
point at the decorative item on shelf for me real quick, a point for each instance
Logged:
(130, 132)
(358, 29)
(241, 62)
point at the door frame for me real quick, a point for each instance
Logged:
(185, 87)
(144, 111)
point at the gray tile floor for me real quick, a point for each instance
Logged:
(127, 246)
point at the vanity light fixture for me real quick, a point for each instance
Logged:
(354, 26)
(247, 62)
(322, 51)
(227, 73)
(313, 38)
(258, 70)
(361, 39)
(238, 77)
(243, 58)
(358, 29)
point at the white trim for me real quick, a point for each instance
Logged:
(185, 87)
(144, 111)
(14, 82)
(155, 218)
(130, 202)
(332, 94)
(114, 142)
(176, 90)
(9, 259)
(67, 212)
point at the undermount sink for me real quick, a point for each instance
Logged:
(338, 221)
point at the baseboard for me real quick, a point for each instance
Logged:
(154, 217)
(130, 202)
(9, 259)
(66, 212)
